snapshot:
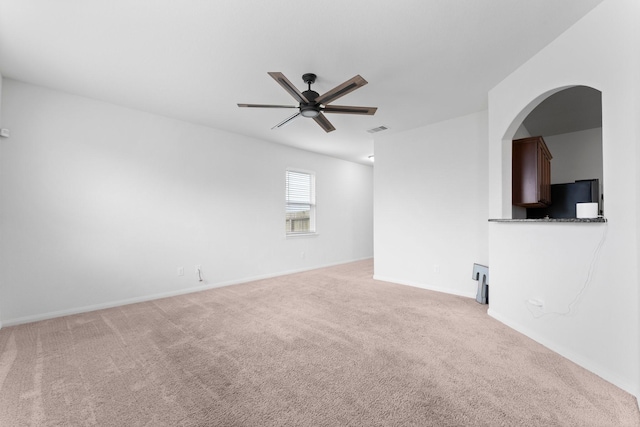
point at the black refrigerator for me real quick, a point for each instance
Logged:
(564, 198)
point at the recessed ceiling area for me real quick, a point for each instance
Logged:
(425, 61)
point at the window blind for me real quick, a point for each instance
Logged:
(300, 202)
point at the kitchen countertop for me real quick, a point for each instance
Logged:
(581, 220)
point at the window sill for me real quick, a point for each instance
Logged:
(299, 235)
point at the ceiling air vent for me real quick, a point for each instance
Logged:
(378, 129)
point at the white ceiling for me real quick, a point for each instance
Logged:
(425, 60)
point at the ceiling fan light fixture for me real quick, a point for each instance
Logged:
(309, 111)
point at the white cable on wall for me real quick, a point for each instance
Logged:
(535, 304)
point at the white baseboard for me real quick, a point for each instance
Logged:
(118, 303)
(426, 286)
(586, 363)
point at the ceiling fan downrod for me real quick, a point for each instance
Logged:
(310, 109)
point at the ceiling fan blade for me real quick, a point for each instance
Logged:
(324, 123)
(266, 106)
(345, 109)
(288, 86)
(286, 121)
(341, 90)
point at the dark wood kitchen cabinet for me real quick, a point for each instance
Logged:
(531, 167)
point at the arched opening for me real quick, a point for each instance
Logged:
(568, 122)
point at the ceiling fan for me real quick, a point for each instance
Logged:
(312, 104)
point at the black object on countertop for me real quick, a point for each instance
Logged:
(564, 198)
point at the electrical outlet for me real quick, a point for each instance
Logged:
(536, 303)
(180, 271)
(436, 268)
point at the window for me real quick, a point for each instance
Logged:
(301, 202)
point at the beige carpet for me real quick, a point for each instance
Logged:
(330, 347)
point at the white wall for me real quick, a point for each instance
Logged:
(1, 203)
(561, 263)
(101, 204)
(519, 211)
(636, 107)
(576, 155)
(430, 205)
